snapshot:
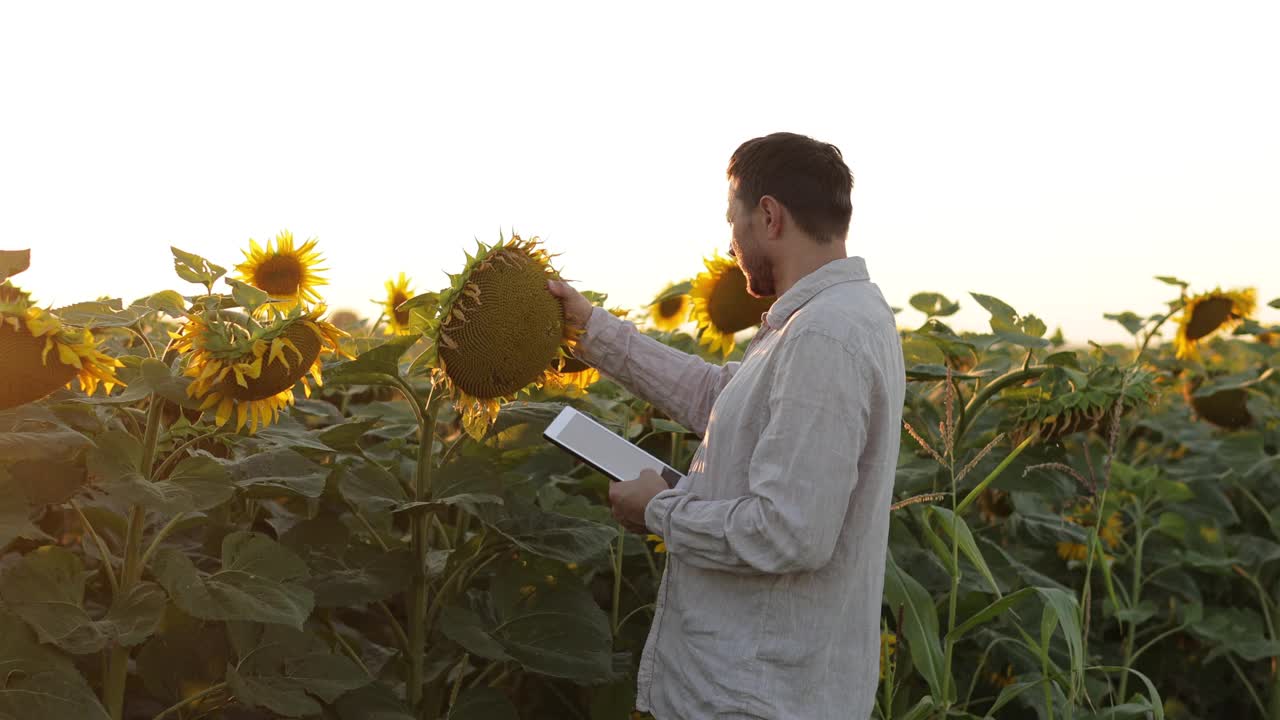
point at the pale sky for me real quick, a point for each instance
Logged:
(1055, 155)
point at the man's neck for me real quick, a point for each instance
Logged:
(787, 271)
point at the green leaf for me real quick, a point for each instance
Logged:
(1129, 320)
(42, 445)
(13, 262)
(468, 629)
(247, 296)
(998, 308)
(1061, 607)
(551, 535)
(260, 581)
(662, 425)
(196, 483)
(920, 618)
(483, 703)
(369, 487)
(38, 683)
(1156, 708)
(1066, 358)
(290, 672)
(270, 473)
(967, 546)
(934, 304)
(377, 366)
(184, 653)
(167, 301)
(921, 709)
(46, 589)
(195, 269)
(990, 612)
(1170, 280)
(1274, 303)
(374, 701)
(145, 377)
(346, 573)
(100, 314)
(557, 630)
(15, 522)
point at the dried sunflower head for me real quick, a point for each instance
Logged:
(1205, 314)
(39, 355)
(287, 273)
(249, 369)
(498, 330)
(721, 304)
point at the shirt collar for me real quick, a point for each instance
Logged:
(848, 269)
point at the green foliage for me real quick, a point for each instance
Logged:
(1073, 542)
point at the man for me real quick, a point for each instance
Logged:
(776, 538)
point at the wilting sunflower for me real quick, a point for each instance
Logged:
(251, 373)
(398, 291)
(1227, 408)
(721, 304)
(498, 330)
(38, 355)
(283, 271)
(1209, 312)
(671, 311)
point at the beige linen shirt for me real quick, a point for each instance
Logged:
(776, 538)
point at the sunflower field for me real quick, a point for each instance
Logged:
(221, 501)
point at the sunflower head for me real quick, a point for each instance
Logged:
(39, 355)
(721, 304)
(1067, 403)
(1204, 314)
(498, 329)
(671, 308)
(249, 369)
(398, 291)
(1227, 408)
(283, 271)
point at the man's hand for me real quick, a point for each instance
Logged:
(628, 499)
(577, 308)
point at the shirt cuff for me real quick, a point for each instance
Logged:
(658, 512)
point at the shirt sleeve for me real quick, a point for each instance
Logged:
(802, 473)
(681, 385)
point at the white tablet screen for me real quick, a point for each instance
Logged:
(599, 446)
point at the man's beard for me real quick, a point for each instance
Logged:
(759, 272)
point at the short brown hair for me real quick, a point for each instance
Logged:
(808, 177)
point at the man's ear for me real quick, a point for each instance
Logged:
(774, 216)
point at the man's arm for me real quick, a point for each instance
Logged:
(802, 472)
(683, 386)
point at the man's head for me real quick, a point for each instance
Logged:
(787, 193)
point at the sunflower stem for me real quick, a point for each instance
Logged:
(420, 527)
(131, 572)
(983, 396)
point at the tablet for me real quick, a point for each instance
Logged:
(603, 449)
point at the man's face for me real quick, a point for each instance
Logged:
(747, 245)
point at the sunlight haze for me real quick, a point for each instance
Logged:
(1054, 156)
